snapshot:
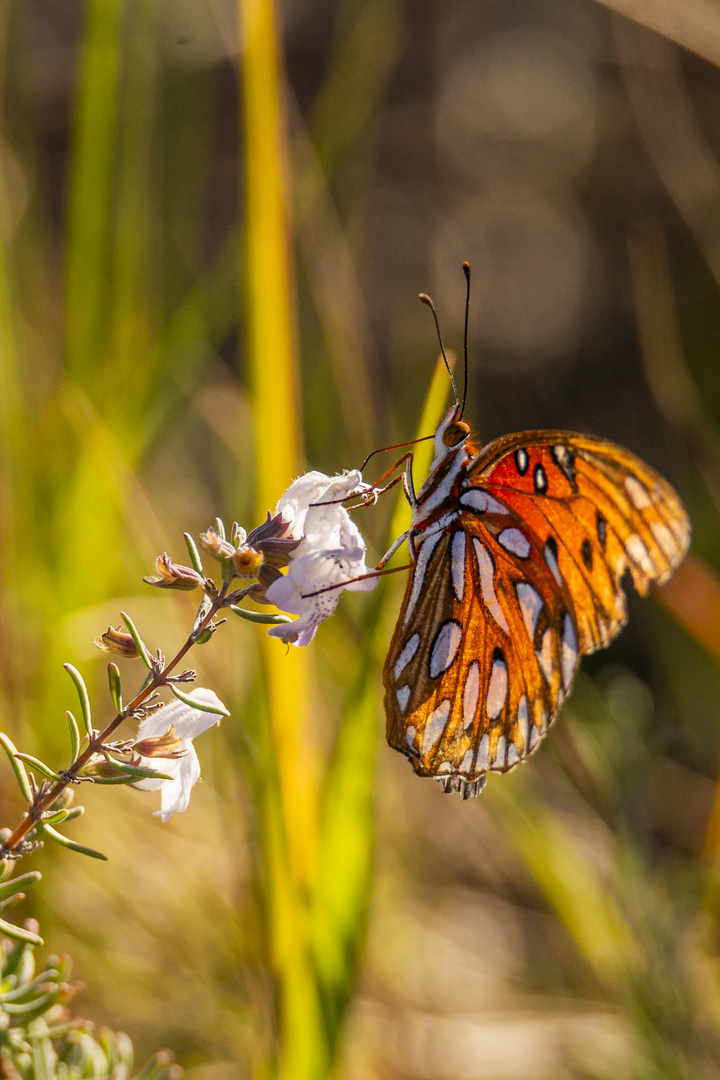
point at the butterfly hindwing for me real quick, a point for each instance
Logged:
(483, 652)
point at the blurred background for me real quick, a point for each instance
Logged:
(319, 907)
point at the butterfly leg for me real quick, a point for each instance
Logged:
(392, 549)
(380, 487)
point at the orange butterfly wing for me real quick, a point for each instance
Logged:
(504, 598)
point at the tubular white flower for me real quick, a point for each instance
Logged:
(331, 552)
(185, 771)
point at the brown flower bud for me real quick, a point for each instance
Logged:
(115, 640)
(247, 561)
(215, 546)
(173, 576)
(162, 746)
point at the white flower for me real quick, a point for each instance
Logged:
(185, 771)
(331, 552)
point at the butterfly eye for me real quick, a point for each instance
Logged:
(455, 433)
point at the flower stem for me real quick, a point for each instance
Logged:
(42, 803)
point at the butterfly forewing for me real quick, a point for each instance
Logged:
(520, 551)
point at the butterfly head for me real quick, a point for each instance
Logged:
(450, 434)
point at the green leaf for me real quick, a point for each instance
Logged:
(201, 706)
(19, 933)
(115, 688)
(139, 643)
(83, 695)
(220, 528)
(64, 842)
(7, 888)
(194, 554)
(74, 736)
(39, 766)
(18, 768)
(259, 616)
(110, 780)
(30, 1009)
(55, 817)
(136, 770)
(25, 989)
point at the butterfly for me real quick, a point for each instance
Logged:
(518, 551)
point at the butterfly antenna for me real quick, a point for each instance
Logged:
(466, 268)
(426, 300)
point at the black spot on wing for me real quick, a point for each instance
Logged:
(601, 529)
(586, 553)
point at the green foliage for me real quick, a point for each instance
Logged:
(40, 1039)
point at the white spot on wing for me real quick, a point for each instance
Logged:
(487, 571)
(480, 500)
(515, 541)
(425, 550)
(497, 689)
(552, 563)
(445, 648)
(434, 727)
(457, 563)
(639, 495)
(470, 695)
(409, 650)
(410, 734)
(664, 539)
(523, 722)
(512, 755)
(639, 553)
(531, 605)
(483, 754)
(500, 754)
(534, 737)
(545, 655)
(466, 763)
(569, 651)
(403, 696)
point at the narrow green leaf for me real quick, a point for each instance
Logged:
(18, 768)
(25, 989)
(43, 1055)
(110, 780)
(74, 736)
(220, 528)
(57, 1031)
(139, 643)
(75, 812)
(259, 616)
(136, 770)
(115, 688)
(201, 706)
(64, 842)
(38, 766)
(56, 817)
(194, 554)
(7, 888)
(36, 1007)
(83, 695)
(19, 933)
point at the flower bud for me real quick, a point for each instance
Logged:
(215, 545)
(116, 641)
(173, 576)
(167, 745)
